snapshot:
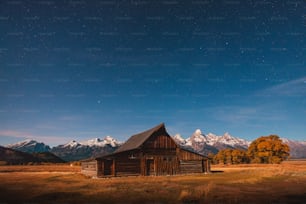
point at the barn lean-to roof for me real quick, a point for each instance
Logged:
(192, 151)
(137, 140)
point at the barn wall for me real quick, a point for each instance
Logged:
(122, 164)
(191, 166)
(166, 165)
(193, 163)
(160, 141)
(206, 166)
(159, 155)
(89, 168)
(127, 167)
(148, 162)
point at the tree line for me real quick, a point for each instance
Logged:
(266, 149)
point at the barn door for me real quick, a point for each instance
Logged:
(108, 165)
(150, 167)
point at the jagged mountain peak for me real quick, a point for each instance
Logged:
(23, 142)
(95, 147)
(297, 148)
(179, 139)
(29, 140)
(233, 141)
(108, 140)
(197, 132)
(197, 138)
(199, 141)
(71, 144)
(112, 141)
(30, 146)
(178, 136)
(227, 135)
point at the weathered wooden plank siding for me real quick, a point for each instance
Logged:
(166, 165)
(206, 165)
(127, 167)
(187, 155)
(159, 152)
(160, 142)
(191, 167)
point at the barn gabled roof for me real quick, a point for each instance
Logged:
(137, 140)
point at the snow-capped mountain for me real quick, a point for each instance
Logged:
(30, 146)
(96, 142)
(74, 150)
(202, 143)
(71, 144)
(297, 148)
(179, 140)
(108, 140)
(233, 141)
(206, 143)
(198, 141)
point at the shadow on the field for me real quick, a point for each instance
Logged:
(300, 198)
(215, 172)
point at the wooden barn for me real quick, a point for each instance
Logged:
(152, 152)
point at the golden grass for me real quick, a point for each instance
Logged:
(41, 168)
(282, 183)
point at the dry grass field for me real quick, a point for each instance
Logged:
(285, 183)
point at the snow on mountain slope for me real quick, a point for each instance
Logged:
(108, 140)
(72, 150)
(198, 137)
(199, 141)
(96, 147)
(210, 142)
(178, 138)
(29, 146)
(71, 144)
(233, 141)
(297, 148)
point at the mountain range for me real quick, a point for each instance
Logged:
(73, 150)
(96, 147)
(198, 141)
(11, 156)
(30, 146)
(210, 143)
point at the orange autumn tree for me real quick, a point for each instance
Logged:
(231, 156)
(268, 149)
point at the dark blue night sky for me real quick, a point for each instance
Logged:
(85, 69)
